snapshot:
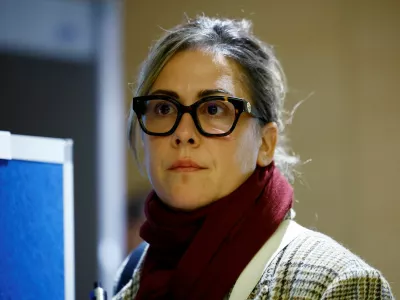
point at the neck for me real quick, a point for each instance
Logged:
(211, 240)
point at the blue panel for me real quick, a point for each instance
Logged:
(31, 230)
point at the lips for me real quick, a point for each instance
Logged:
(185, 165)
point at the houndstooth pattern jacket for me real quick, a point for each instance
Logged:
(313, 266)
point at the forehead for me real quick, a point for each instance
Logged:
(191, 71)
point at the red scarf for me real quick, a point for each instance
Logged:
(200, 254)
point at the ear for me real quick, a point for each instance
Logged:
(269, 138)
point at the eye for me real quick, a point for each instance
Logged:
(213, 109)
(216, 108)
(163, 108)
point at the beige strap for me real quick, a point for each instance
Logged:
(251, 275)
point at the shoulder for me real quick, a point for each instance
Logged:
(316, 266)
(126, 282)
(319, 250)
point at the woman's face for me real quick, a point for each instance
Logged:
(226, 162)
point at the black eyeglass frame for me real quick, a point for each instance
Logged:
(240, 105)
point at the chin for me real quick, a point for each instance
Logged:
(187, 201)
(185, 192)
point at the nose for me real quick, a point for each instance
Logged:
(186, 133)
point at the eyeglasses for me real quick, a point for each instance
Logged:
(213, 116)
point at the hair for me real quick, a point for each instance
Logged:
(234, 39)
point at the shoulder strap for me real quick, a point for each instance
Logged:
(129, 267)
(251, 275)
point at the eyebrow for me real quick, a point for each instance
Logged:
(200, 94)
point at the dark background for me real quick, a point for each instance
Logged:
(54, 98)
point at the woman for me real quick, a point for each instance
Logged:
(209, 103)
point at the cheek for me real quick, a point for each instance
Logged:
(246, 149)
(152, 147)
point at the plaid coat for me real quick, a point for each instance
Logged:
(313, 266)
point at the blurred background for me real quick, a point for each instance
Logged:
(64, 72)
